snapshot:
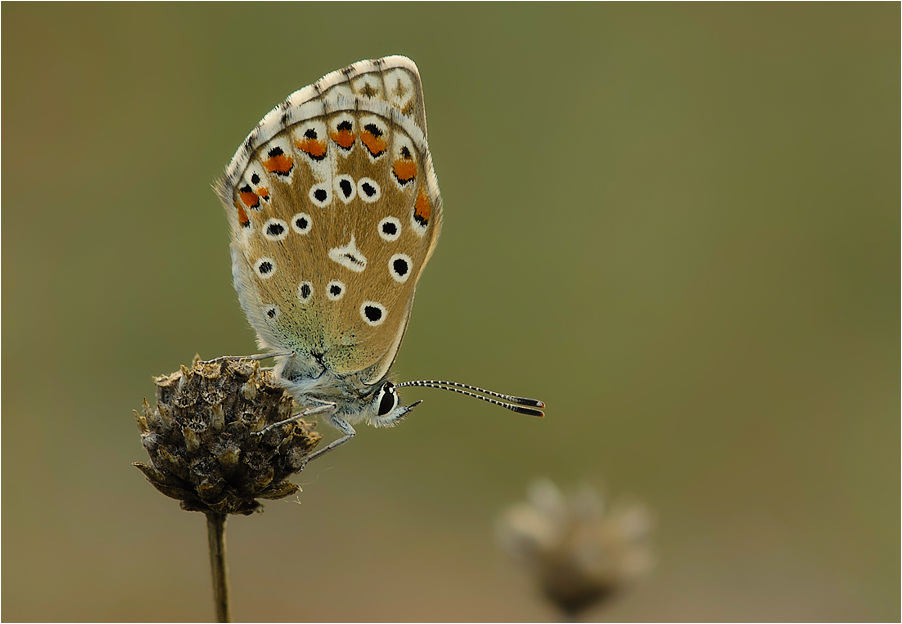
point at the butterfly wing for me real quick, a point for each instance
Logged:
(335, 210)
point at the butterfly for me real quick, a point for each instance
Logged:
(335, 210)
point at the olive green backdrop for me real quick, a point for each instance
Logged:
(676, 224)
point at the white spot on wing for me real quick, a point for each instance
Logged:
(348, 256)
(368, 85)
(320, 190)
(275, 230)
(305, 292)
(342, 90)
(399, 265)
(374, 120)
(372, 313)
(368, 190)
(385, 228)
(335, 290)
(399, 85)
(301, 223)
(345, 188)
(265, 267)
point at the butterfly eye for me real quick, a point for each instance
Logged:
(388, 399)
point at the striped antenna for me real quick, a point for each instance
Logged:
(520, 405)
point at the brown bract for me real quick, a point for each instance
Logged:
(214, 438)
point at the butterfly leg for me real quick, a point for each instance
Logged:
(345, 428)
(310, 411)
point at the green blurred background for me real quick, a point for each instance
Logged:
(676, 224)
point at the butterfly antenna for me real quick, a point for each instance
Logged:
(520, 405)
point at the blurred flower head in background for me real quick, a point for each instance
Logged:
(579, 551)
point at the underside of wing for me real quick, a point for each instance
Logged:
(335, 211)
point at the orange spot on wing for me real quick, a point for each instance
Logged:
(405, 170)
(242, 215)
(422, 209)
(313, 147)
(376, 145)
(263, 192)
(280, 164)
(344, 138)
(250, 199)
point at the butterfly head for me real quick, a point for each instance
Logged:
(385, 409)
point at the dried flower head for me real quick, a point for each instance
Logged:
(221, 436)
(579, 552)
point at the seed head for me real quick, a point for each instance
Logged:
(217, 440)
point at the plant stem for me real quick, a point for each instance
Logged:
(218, 566)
